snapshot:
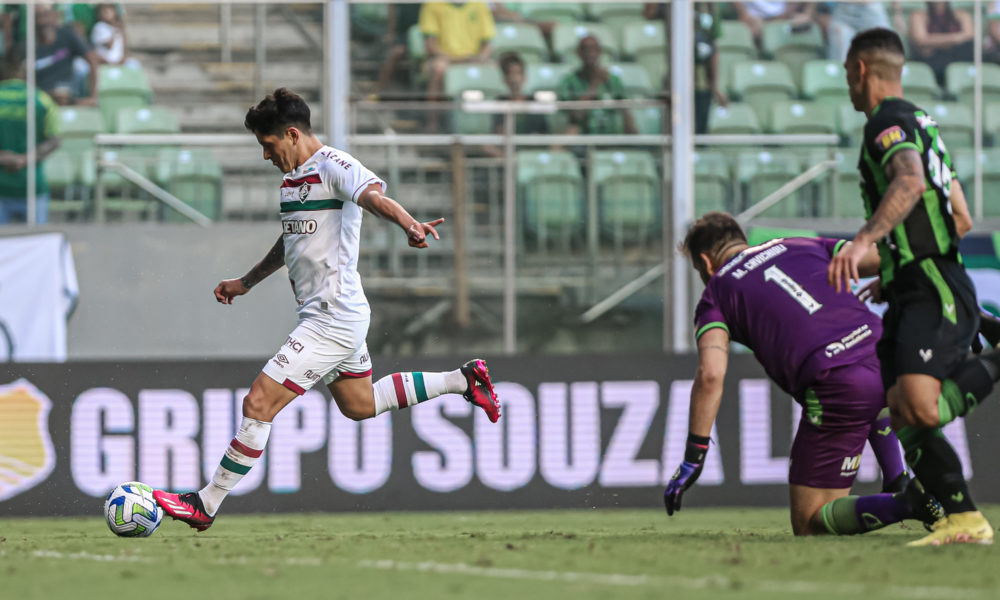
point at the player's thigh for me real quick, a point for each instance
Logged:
(805, 503)
(266, 398)
(354, 396)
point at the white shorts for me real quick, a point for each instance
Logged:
(321, 348)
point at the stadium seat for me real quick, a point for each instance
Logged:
(736, 118)
(712, 182)
(761, 173)
(991, 124)
(628, 192)
(758, 235)
(794, 116)
(551, 189)
(614, 14)
(989, 160)
(634, 78)
(646, 43)
(824, 81)
(735, 45)
(62, 174)
(122, 197)
(793, 48)
(850, 125)
(919, 85)
(567, 12)
(955, 123)
(484, 78)
(193, 176)
(153, 119)
(77, 127)
(960, 79)
(544, 76)
(760, 84)
(648, 120)
(415, 43)
(524, 39)
(121, 87)
(566, 37)
(839, 189)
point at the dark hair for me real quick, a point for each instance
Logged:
(877, 38)
(509, 59)
(711, 234)
(13, 62)
(278, 111)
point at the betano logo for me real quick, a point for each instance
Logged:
(27, 456)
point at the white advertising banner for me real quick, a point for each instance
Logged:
(38, 291)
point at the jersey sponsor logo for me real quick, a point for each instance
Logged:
(849, 341)
(849, 468)
(295, 345)
(299, 226)
(890, 137)
(312, 375)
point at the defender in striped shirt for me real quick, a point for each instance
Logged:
(322, 196)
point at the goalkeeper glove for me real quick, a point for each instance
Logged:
(687, 473)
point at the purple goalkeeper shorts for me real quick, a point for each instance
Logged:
(838, 411)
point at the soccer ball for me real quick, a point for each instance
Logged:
(131, 510)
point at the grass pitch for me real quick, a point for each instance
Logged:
(582, 554)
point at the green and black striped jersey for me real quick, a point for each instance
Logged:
(929, 230)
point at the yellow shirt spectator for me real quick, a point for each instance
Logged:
(460, 29)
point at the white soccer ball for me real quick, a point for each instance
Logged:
(131, 510)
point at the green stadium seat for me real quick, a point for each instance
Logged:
(634, 78)
(628, 192)
(955, 123)
(552, 11)
(824, 81)
(758, 235)
(544, 76)
(792, 48)
(551, 188)
(712, 180)
(960, 79)
(794, 116)
(760, 84)
(761, 173)
(646, 43)
(919, 85)
(120, 198)
(850, 125)
(524, 39)
(193, 176)
(614, 14)
(566, 37)
(61, 174)
(736, 118)
(464, 77)
(648, 120)
(733, 46)
(991, 123)
(77, 127)
(415, 43)
(121, 87)
(152, 119)
(989, 160)
(839, 189)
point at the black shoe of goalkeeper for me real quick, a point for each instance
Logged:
(923, 506)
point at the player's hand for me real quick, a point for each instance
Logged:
(417, 234)
(844, 266)
(683, 478)
(872, 292)
(229, 289)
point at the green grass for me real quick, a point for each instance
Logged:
(582, 554)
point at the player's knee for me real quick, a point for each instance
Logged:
(257, 406)
(356, 412)
(925, 415)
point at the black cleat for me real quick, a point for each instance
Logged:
(923, 506)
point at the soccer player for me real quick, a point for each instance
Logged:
(819, 347)
(322, 195)
(916, 212)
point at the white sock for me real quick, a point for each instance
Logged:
(241, 454)
(402, 390)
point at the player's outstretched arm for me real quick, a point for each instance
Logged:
(960, 209)
(906, 185)
(380, 205)
(706, 396)
(230, 288)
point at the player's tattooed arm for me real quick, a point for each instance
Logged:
(906, 186)
(273, 261)
(706, 393)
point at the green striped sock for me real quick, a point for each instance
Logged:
(403, 390)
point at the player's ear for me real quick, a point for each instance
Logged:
(707, 264)
(293, 135)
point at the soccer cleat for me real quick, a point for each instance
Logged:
(480, 390)
(923, 506)
(896, 485)
(958, 528)
(185, 507)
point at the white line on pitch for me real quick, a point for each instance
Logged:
(713, 582)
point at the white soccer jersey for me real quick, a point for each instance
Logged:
(321, 225)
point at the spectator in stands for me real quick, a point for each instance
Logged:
(108, 37)
(758, 12)
(707, 29)
(454, 32)
(512, 66)
(400, 18)
(847, 19)
(593, 82)
(58, 45)
(941, 35)
(991, 45)
(14, 142)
